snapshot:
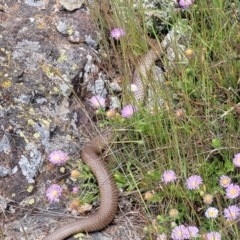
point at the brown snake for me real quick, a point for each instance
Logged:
(90, 156)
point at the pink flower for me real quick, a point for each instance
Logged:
(180, 233)
(192, 231)
(97, 101)
(211, 212)
(236, 160)
(75, 190)
(128, 111)
(232, 191)
(213, 236)
(193, 182)
(168, 176)
(185, 3)
(232, 212)
(224, 181)
(58, 157)
(116, 33)
(53, 193)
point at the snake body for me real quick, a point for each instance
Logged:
(90, 156)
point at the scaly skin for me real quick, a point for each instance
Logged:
(90, 156)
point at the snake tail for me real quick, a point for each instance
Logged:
(108, 191)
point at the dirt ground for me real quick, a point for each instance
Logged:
(45, 51)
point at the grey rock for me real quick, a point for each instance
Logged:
(29, 53)
(43, 132)
(35, 3)
(4, 171)
(114, 102)
(173, 42)
(31, 165)
(155, 9)
(3, 204)
(62, 27)
(75, 37)
(91, 42)
(71, 5)
(115, 87)
(98, 88)
(65, 89)
(23, 98)
(4, 144)
(41, 100)
(99, 236)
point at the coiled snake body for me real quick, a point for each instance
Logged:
(90, 156)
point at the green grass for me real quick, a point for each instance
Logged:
(201, 142)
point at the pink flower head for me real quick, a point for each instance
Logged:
(193, 182)
(75, 190)
(213, 236)
(97, 101)
(58, 157)
(232, 212)
(128, 111)
(53, 193)
(192, 231)
(168, 176)
(116, 33)
(185, 3)
(236, 160)
(211, 212)
(180, 233)
(224, 181)
(232, 191)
